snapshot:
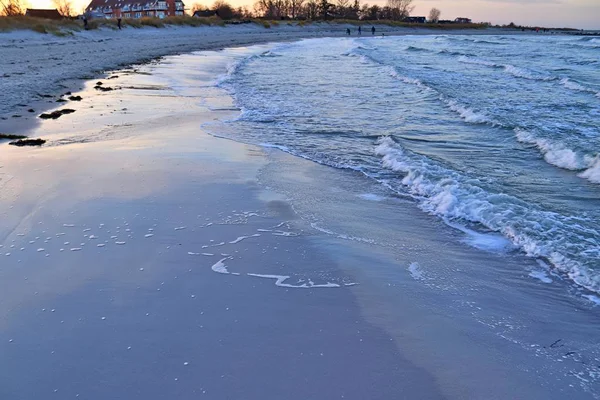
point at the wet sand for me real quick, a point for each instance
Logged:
(144, 259)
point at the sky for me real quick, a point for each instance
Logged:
(581, 14)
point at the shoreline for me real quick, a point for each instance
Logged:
(44, 83)
(167, 188)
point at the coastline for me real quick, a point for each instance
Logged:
(145, 165)
(38, 69)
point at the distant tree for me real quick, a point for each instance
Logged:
(295, 8)
(271, 9)
(342, 3)
(434, 15)
(263, 9)
(311, 10)
(198, 7)
(244, 12)
(342, 8)
(400, 9)
(64, 7)
(354, 10)
(10, 8)
(223, 9)
(325, 9)
(373, 12)
(363, 13)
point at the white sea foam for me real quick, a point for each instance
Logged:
(491, 241)
(220, 266)
(239, 239)
(541, 275)
(539, 233)
(416, 272)
(411, 81)
(523, 73)
(594, 299)
(592, 173)
(468, 114)
(554, 153)
(274, 146)
(280, 281)
(372, 197)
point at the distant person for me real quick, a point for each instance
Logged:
(359, 31)
(85, 24)
(119, 23)
(348, 31)
(372, 30)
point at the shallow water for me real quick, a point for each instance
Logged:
(494, 134)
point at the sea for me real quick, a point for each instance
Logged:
(491, 134)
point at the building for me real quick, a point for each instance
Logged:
(463, 20)
(204, 13)
(39, 13)
(135, 8)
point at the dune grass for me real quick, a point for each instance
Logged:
(67, 26)
(40, 25)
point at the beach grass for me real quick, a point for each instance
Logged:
(66, 26)
(40, 25)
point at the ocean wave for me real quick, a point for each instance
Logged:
(255, 116)
(592, 173)
(511, 69)
(468, 114)
(454, 53)
(418, 49)
(476, 61)
(526, 74)
(411, 81)
(538, 233)
(572, 85)
(236, 66)
(473, 40)
(554, 153)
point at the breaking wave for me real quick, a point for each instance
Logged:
(540, 234)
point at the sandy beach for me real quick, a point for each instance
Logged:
(142, 257)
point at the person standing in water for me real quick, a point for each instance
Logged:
(372, 30)
(348, 31)
(359, 31)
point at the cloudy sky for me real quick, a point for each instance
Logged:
(584, 14)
